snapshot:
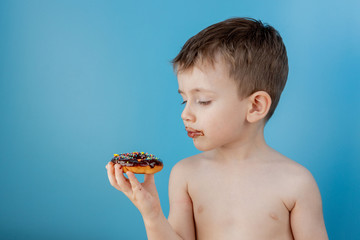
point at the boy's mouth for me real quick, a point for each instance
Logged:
(193, 133)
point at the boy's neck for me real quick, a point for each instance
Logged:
(250, 147)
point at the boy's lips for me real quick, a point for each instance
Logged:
(193, 133)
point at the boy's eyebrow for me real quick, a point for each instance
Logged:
(195, 90)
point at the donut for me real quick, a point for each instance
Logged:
(138, 162)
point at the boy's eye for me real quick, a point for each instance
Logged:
(199, 102)
(204, 102)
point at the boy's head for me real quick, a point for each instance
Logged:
(254, 54)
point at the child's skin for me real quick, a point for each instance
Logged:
(239, 187)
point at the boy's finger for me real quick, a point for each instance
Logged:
(135, 184)
(121, 180)
(111, 174)
(149, 178)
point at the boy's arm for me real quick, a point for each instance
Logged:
(181, 215)
(307, 221)
(145, 197)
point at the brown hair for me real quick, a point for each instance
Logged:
(254, 52)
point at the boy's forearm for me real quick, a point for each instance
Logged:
(159, 228)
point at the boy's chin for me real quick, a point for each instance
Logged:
(203, 147)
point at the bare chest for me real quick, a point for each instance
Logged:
(244, 204)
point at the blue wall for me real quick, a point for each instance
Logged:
(81, 80)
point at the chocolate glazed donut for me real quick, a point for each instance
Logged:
(138, 162)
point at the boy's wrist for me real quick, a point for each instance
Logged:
(153, 218)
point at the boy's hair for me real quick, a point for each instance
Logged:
(254, 52)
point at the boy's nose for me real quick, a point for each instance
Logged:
(187, 114)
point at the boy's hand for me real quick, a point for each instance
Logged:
(143, 195)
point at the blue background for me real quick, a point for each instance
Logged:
(81, 80)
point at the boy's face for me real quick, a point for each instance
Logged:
(214, 115)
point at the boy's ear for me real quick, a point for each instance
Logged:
(259, 105)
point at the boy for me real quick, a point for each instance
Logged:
(230, 76)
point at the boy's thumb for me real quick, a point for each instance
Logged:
(135, 184)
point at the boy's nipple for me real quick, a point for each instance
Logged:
(200, 209)
(274, 216)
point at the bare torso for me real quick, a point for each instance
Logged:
(246, 200)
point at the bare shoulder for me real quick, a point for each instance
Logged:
(190, 165)
(303, 200)
(296, 179)
(292, 169)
